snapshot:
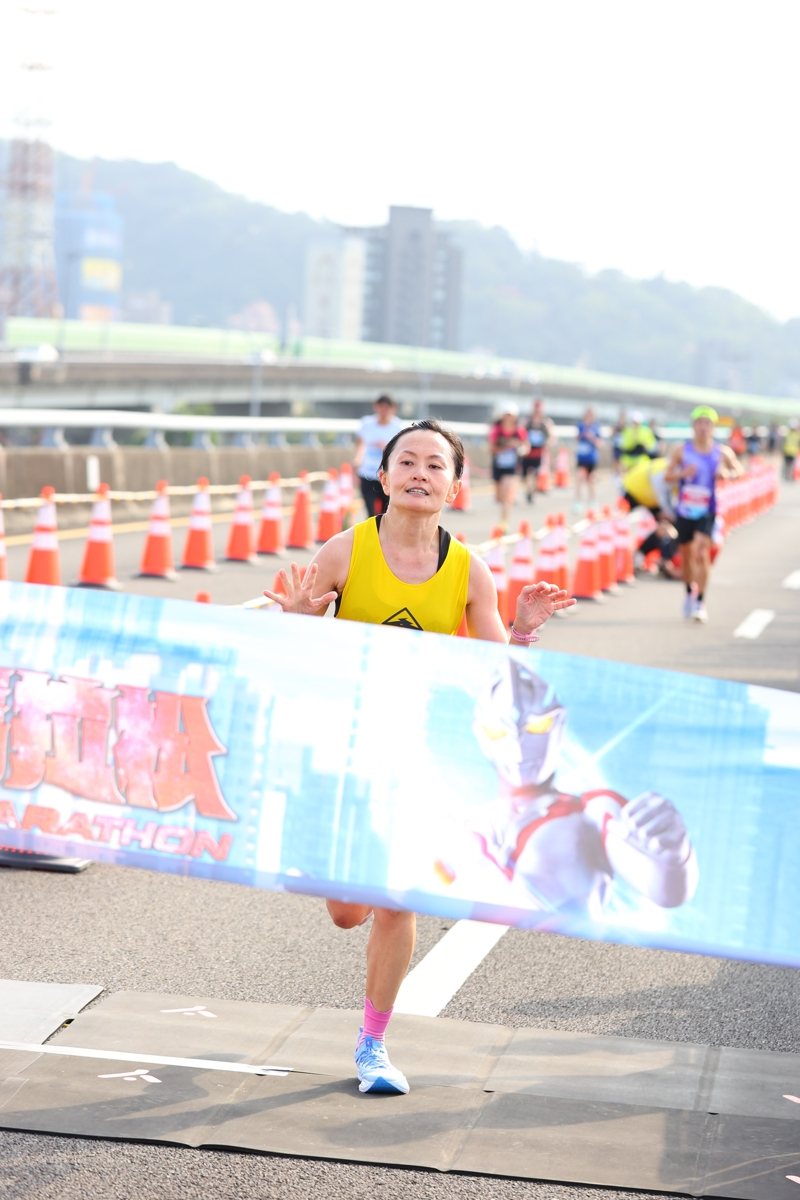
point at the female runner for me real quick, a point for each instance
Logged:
(403, 569)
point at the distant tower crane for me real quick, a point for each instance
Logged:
(28, 286)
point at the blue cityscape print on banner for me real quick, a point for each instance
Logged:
(538, 789)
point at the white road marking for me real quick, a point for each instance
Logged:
(199, 1010)
(206, 1064)
(428, 989)
(754, 623)
(142, 1075)
(792, 581)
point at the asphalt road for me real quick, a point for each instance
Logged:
(133, 929)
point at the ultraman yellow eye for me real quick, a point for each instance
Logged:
(494, 732)
(540, 724)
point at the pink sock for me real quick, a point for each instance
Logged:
(375, 1022)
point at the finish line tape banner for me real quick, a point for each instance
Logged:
(452, 777)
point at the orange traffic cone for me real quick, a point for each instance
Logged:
(725, 501)
(746, 488)
(728, 501)
(270, 535)
(44, 564)
(561, 564)
(203, 597)
(606, 552)
(645, 525)
(301, 536)
(769, 482)
(157, 560)
(521, 571)
(717, 537)
(347, 495)
(241, 539)
(97, 568)
(463, 501)
(651, 560)
(198, 551)
(330, 515)
(562, 468)
(586, 581)
(543, 474)
(3, 556)
(546, 560)
(771, 485)
(623, 546)
(277, 583)
(495, 559)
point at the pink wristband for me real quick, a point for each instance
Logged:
(525, 638)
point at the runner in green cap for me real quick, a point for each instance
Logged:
(695, 467)
(705, 410)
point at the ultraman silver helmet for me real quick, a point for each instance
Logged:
(519, 724)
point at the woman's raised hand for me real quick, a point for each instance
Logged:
(296, 595)
(537, 602)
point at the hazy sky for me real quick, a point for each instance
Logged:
(654, 136)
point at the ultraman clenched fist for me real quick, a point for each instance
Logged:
(647, 845)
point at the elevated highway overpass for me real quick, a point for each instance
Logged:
(167, 368)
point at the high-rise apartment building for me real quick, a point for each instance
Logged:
(397, 283)
(335, 280)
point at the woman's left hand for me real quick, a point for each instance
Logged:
(537, 602)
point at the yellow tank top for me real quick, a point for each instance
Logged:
(374, 594)
(637, 482)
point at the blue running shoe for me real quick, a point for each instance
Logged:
(375, 1072)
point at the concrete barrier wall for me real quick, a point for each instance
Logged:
(25, 471)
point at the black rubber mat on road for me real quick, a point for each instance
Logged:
(613, 1112)
(25, 860)
(31, 1012)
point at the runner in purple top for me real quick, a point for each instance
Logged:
(695, 467)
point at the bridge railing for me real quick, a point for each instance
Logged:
(243, 431)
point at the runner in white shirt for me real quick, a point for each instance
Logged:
(373, 434)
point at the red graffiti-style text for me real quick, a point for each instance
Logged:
(121, 745)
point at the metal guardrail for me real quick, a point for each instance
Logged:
(42, 418)
(277, 430)
(48, 418)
